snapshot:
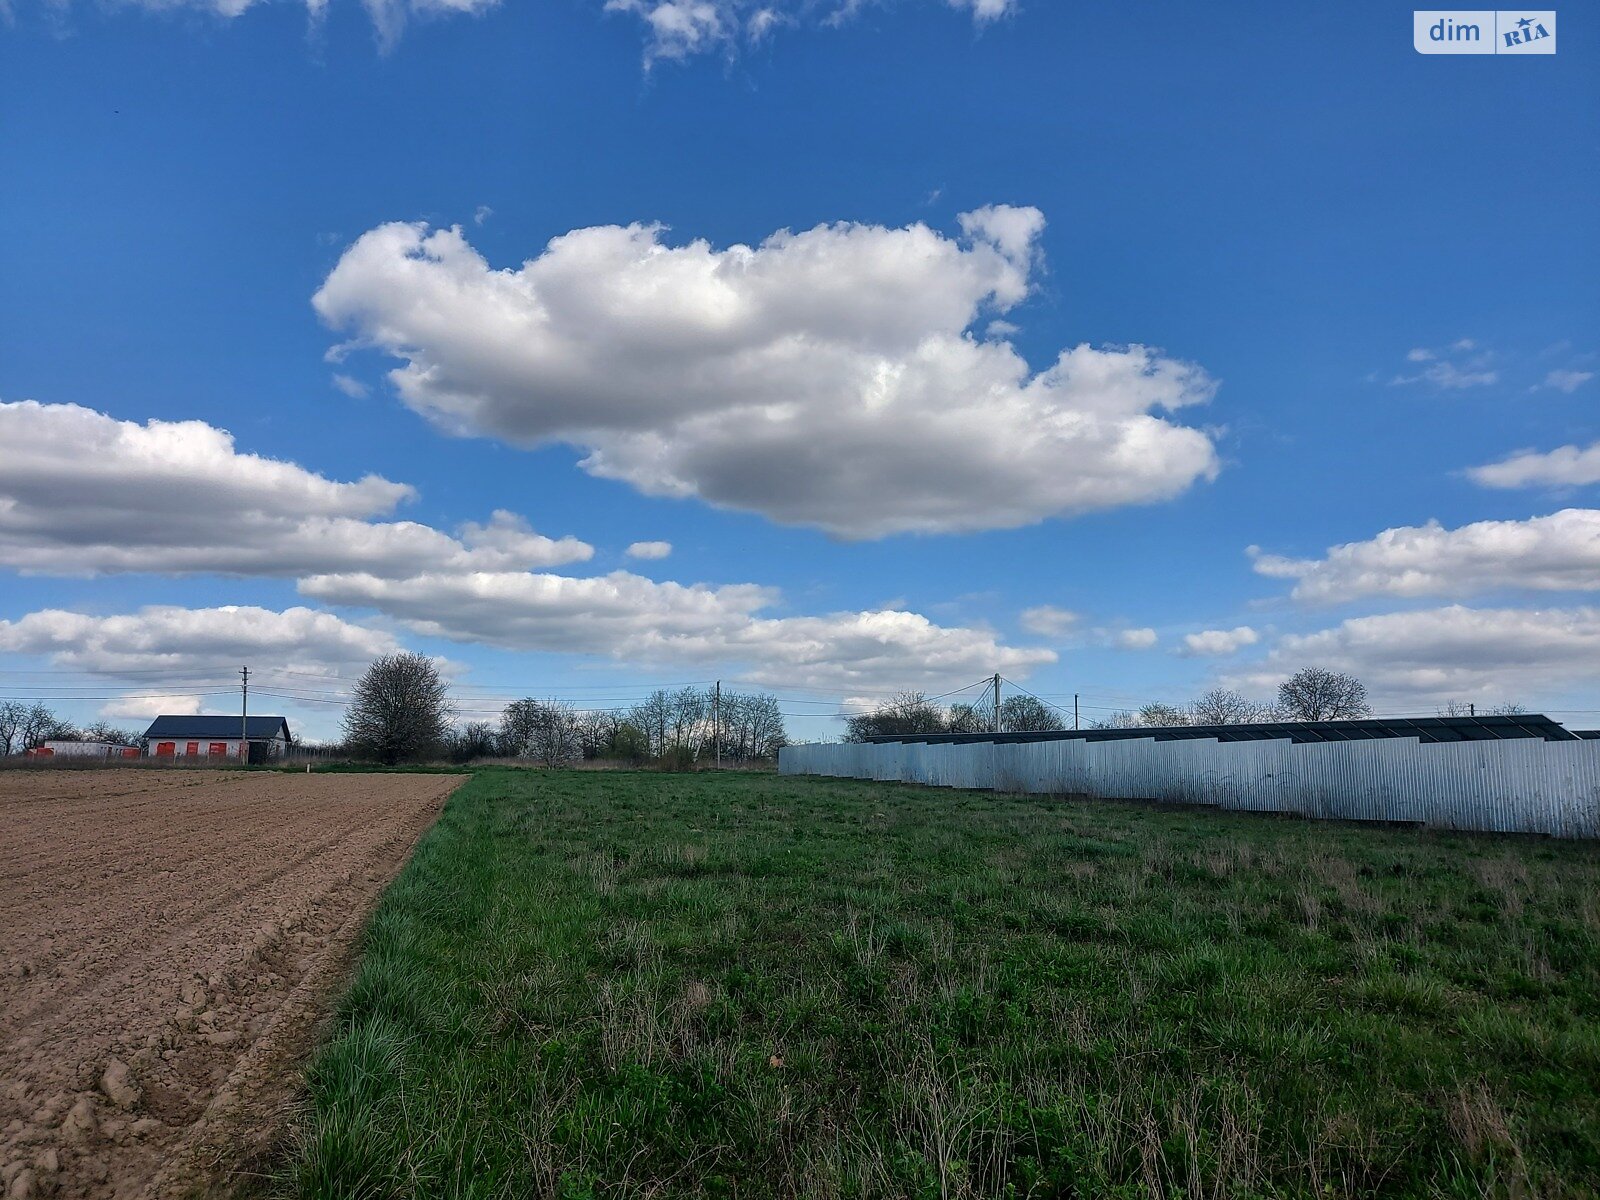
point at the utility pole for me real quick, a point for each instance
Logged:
(1074, 710)
(996, 722)
(244, 714)
(716, 723)
(1472, 709)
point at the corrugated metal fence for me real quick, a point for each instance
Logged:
(1525, 785)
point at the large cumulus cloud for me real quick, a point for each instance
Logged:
(830, 378)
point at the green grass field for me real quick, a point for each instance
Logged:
(630, 984)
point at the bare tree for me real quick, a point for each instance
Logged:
(475, 739)
(12, 718)
(967, 718)
(1466, 708)
(1026, 714)
(649, 716)
(104, 731)
(1318, 694)
(1158, 715)
(37, 725)
(1122, 719)
(751, 726)
(906, 712)
(1220, 706)
(544, 730)
(596, 731)
(400, 711)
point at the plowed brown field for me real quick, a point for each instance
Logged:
(166, 939)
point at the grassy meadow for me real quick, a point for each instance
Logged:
(593, 984)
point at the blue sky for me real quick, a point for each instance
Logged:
(1360, 273)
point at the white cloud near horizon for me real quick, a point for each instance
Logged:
(649, 550)
(83, 493)
(1558, 552)
(1565, 466)
(828, 378)
(640, 621)
(1434, 655)
(1218, 642)
(170, 638)
(1046, 620)
(1135, 639)
(147, 706)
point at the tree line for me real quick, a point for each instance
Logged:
(25, 727)
(400, 711)
(1310, 694)
(912, 712)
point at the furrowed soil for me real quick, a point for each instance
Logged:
(166, 943)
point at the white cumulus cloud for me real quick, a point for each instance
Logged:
(84, 493)
(1565, 466)
(640, 621)
(1216, 642)
(161, 638)
(828, 378)
(1425, 657)
(1557, 552)
(1134, 639)
(649, 550)
(1047, 620)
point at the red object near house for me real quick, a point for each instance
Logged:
(192, 749)
(216, 748)
(41, 752)
(166, 749)
(130, 752)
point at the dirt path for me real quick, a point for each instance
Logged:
(165, 941)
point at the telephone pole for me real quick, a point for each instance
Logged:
(996, 722)
(244, 713)
(716, 723)
(1074, 710)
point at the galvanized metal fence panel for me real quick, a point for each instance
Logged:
(1525, 785)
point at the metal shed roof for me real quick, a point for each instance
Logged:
(1427, 729)
(262, 728)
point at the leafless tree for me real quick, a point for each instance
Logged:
(1466, 708)
(1026, 714)
(1123, 719)
(34, 725)
(751, 726)
(400, 711)
(906, 712)
(546, 731)
(967, 718)
(1220, 706)
(1318, 694)
(597, 730)
(12, 718)
(104, 731)
(475, 739)
(1160, 715)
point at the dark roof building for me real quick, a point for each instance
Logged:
(256, 729)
